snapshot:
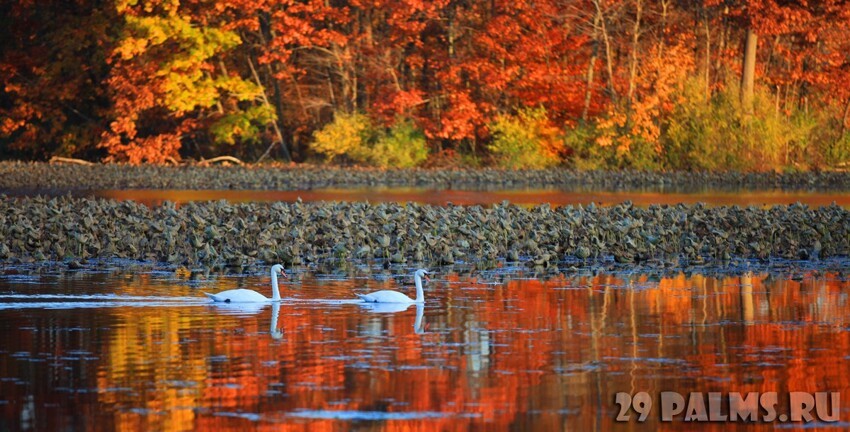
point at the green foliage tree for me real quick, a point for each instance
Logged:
(355, 137)
(525, 140)
(402, 146)
(717, 134)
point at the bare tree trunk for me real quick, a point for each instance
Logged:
(707, 58)
(634, 60)
(769, 62)
(721, 44)
(777, 99)
(609, 66)
(266, 34)
(787, 96)
(331, 94)
(749, 70)
(355, 92)
(277, 131)
(451, 31)
(591, 69)
(662, 36)
(844, 119)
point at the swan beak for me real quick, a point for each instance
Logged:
(283, 273)
(427, 279)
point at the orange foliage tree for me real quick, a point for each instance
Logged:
(51, 67)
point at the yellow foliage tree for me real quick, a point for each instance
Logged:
(164, 67)
(347, 134)
(526, 140)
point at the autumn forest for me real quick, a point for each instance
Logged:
(589, 84)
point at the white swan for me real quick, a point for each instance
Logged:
(389, 296)
(250, 296)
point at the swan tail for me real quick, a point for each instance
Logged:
(367, 298)
(217, 298)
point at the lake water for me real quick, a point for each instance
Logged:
(524, 197)
(497, 350)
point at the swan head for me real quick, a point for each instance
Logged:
(423, 274)
(278, 270)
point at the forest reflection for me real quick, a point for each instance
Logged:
(488, 350)
(522, 197)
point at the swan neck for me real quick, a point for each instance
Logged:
(275, 288)
(420, 293)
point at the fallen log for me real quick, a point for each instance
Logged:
(232, 159)
(59, 159)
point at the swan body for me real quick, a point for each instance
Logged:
(389, 296)
(386, 296)
(250, 296)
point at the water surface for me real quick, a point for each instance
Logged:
(497, 350)
(523, 197)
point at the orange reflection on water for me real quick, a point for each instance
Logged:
(524, 197)
(492, 352)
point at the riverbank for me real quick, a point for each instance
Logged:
(34, 176)
(219, 234)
